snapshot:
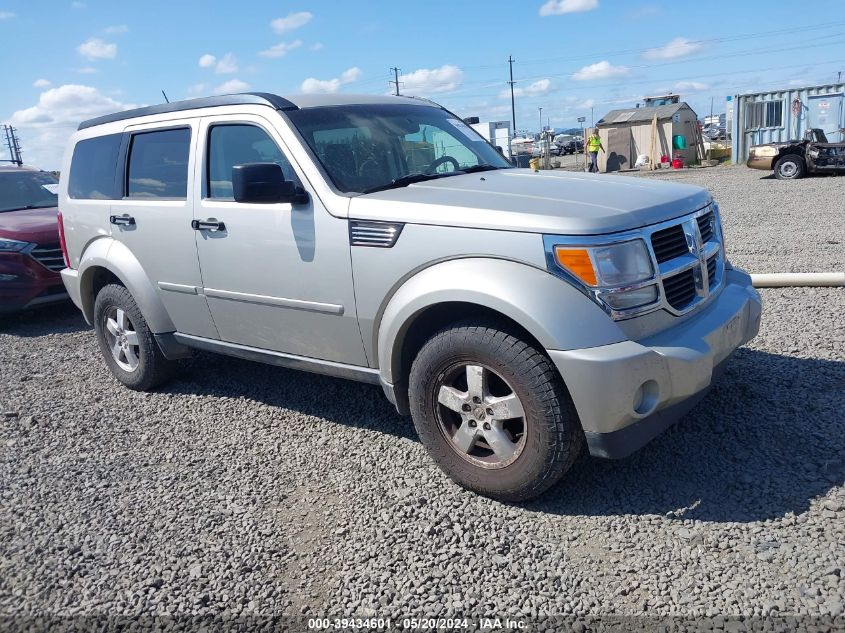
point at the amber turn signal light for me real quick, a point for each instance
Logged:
(578, 262)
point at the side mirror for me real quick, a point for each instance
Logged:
(264, 183)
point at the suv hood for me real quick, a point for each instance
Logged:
(523, 200)
(30, 225)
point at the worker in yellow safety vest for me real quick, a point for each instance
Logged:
(593, 147)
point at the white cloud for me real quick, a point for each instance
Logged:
(281, 49)
(95, 48)
(691, 86)
(432, 80)
(313, 85)
(537, 89)
(116, 29)
(207, 61)
(233, 85)
(316, 46)
(600, 70)
(291, 21)
(226, 65)
(679, 47)
(6, 15)
(48, 124)
(559, 7)
(41, 83)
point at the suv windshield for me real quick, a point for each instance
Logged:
(366, 148)
(27, 190)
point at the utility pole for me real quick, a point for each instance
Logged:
(541, 118)
(511, 60)
(395, 82)
(13, 144)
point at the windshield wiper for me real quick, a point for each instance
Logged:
(410, 179)
(27, 207)
(477, 168)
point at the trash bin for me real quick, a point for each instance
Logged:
(521, 160)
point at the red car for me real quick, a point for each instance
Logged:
(30, 253)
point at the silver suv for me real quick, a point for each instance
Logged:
(516, 316)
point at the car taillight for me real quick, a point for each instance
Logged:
(62, 242)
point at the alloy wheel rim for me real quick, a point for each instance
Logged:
(481, 416)
(122, 339)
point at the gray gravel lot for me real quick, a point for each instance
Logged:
(774, 226)
(243, 488)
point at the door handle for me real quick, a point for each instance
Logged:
(208, 225)
(122, 220)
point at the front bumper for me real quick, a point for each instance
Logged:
(627, 393)
(25, 283)
(760, 162)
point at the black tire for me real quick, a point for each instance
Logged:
(152, 368)
(552, 438)
(790, 167)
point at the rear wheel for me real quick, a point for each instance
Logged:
(493, 413)
(126, 342)
(790, 167)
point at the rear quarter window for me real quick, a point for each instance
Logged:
(93, 168)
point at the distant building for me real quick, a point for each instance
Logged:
(625, 134)
(783, 115)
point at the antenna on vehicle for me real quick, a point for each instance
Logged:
(165, 96)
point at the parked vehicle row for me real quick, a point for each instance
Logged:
(381, 239)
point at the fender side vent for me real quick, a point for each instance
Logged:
(376, 234)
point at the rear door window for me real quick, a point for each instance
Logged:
(158, 164)
(93, 168)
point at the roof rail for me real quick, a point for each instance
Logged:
(246, 98)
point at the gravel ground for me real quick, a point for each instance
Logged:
(241, 488)
(775, 226)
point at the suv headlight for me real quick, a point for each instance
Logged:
(12, 245)
(619, 275)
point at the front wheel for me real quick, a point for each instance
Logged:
(789, 167)
(493, 413)
(126, 341)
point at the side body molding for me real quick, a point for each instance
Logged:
(555, 313)
(112, 255)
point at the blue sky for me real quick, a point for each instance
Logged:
(78, 59)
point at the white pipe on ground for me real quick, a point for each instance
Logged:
(783, 280)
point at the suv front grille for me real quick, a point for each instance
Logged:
(49, 255)
(690, 259)
(669, 243)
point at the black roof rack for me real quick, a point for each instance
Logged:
(246, 98)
